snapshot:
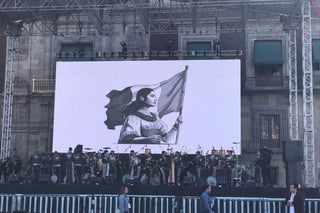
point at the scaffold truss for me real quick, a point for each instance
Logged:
(156, 16)
(309, 158)
(8, 100)
(293, 85)
(72, 5)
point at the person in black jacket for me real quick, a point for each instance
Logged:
(295, 200)
(264, 163)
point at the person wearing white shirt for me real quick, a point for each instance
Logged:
(295, 200)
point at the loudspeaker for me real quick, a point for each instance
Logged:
(221, 180)
(14, 178)
(109, 179)
(292, 151)
(44, 178)
(294, 172)
(201, 181)
(95, 180)
(188, 180)
(131, 181)
(250, 183)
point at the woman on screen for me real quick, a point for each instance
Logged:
(142, 126)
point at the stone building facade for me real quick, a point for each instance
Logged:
(259, 30)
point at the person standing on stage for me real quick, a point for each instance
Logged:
(295, 200)
(36, 162)
(69, 177)
(206, 202)
(164, 165)
(265, 162)
(123, 204)
(178, 164)
(56, 164)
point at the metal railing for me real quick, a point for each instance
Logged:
(106, 203)
(249, 83)
(266, 83)
(54, 5)
(43, 85)
(204, 54)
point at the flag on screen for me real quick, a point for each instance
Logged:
(170, 99)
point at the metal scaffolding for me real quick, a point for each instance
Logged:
(155, 17)
(8, 100)
(309, 158)
(72, 5)
(293, 86)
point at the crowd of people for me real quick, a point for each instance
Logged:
(107, 166)
(167, 168)
(9, 167)
(220, 167)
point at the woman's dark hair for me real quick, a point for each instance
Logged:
(205, 187)
(122, 189)
(137, 104)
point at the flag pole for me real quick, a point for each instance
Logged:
(182, 99)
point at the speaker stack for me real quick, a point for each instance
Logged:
(292, 154)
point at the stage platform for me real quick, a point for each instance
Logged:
(266, 192)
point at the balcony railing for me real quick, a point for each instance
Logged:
(249, 84)
(266, 83)
(43, 85)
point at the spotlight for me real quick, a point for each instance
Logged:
(18, 23)
(15, 27)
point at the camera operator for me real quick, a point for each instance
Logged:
(264, 163)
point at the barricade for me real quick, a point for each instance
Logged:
(107, 203)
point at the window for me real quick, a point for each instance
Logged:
(316, 68)
(197, 49)
(20, 112)
(3, 47)
(270, 130)
(268, 52)
(268, 62)
(316, 56)
(270, 126)
(76, 52)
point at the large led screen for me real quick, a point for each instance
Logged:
(185, 105)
